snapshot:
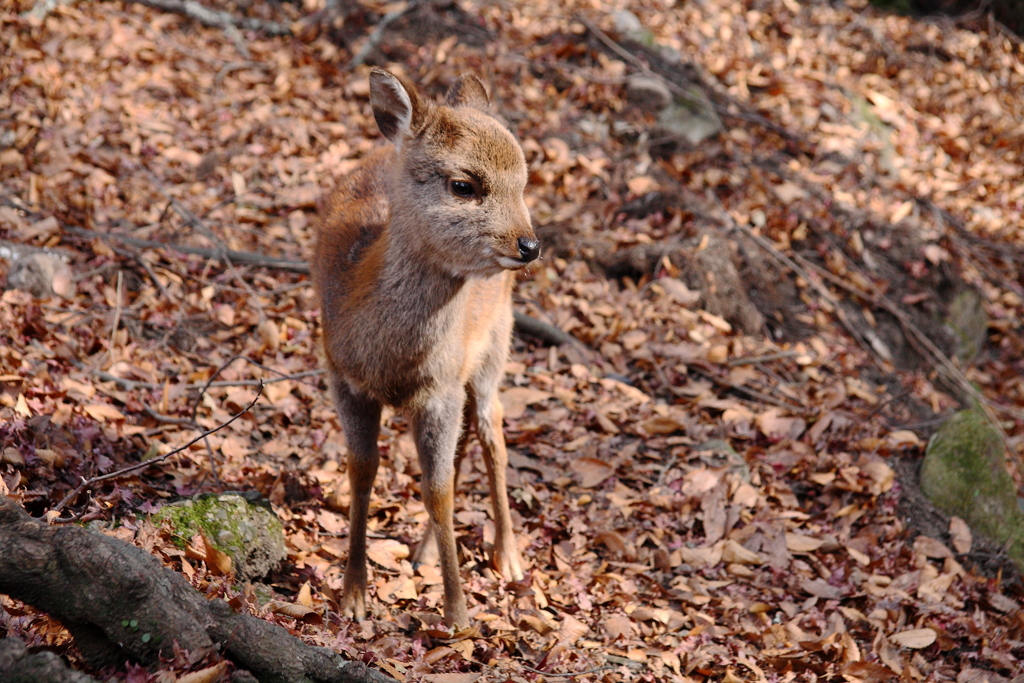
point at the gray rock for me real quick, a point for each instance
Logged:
(691, 118)
(648, 93)
(40, 274)
(247, 531)
(628, 26)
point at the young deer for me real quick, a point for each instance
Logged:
(413, 269)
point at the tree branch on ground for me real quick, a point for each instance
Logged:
(524, 324)
(118, 602)
(17, 664)
(217, 19)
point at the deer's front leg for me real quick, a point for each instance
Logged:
(360, 420)
(488, 419)
(426, 551)
(436, 427)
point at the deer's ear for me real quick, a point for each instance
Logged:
(396, 108)
(468, 91)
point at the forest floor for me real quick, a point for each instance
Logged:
(699, 495)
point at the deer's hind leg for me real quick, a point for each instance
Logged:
(360, 421)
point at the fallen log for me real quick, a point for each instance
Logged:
(119, 603)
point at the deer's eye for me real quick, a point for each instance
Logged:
(462, 188)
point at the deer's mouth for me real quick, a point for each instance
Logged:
(513, 263)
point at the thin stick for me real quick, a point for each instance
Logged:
(209, 383)
(238, 66)
(751, 360)
(543, 331)
(136, 384)
(378, 33)
(753, 393)
(117, 318)
(167, 419)
(88, 483)
(630, 57)
(149, 271)
(242, 257)
(568, 675)
(743, 113)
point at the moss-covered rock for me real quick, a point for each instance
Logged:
(247, 531)
(964, 474)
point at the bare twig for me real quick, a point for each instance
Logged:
(87, 483)
(197, 223)
(753, 360)
(146, 267)
(224, 366)
(167, 419)
(568, 675)
(12, 251)
(191, 219)
(117, 316)
(753, 393)
(630, 58)
(238, 66)
(241, 257)
(741, 110)
(217, 19)
(136, 384)
(377, 34)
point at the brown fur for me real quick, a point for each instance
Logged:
(414, 283)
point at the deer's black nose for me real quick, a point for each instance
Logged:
(529, 248)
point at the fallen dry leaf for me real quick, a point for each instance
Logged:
(452, 677)
(960, 535)
(591, 471)
(516, 400)
(103, 412)
(210, 674)
(931, 547)
(798, 543)
(914, 639)
(387, 553)
(733, 552)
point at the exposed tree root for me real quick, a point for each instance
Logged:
(18, 665)
(119, 602)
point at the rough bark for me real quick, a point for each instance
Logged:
(119, 603)
(18, 665)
